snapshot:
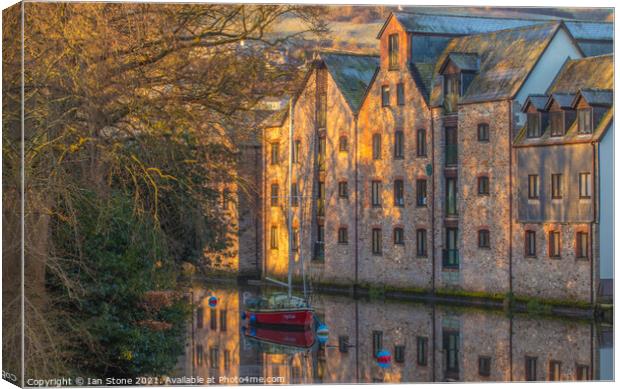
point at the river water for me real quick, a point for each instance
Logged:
(417, 342)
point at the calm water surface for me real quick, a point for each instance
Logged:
(420, 343)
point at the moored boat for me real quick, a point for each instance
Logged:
(279, 310)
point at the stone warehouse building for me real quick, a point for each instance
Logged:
(407, 167)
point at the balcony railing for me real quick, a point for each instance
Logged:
(319, 251)
(451, 154)
(451, 258)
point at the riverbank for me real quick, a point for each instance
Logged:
(504, 302)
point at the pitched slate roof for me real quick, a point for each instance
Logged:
(538, 101)
(589, 72)
(457, 24)
(564, 100)
(582, 30)
(597, 97)
(352, 73)
(506, 59)
(467, 24)
(464, 61)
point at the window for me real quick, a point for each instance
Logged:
(533, 125)
(343, 235)
(343, 144)
(484, 239)
(296, 151)
(400, 93)
(584, 185)
(200, 317)
(483, 185)
(376, 194)
(399, 236)
(556, 186)
(377, 342)
(583, 372)
(295, 239)
(451, 206)
(213, 322)
(584, 121)
(213, 358)
(582, 245)
(393, 51)
(376, 241)
(422, 350)
(343, 190)
(274, 238)
(385, 96)
(557, 123)
(532, 186)
(420, 236)
(484, 366)
(420, 190)
(321, 151)
(483, 132)
(223, 320)
(530, 368)
(399, 193)
(555, 370)
(343, 344)
(376, 146)
(321, 115)
(320, 201)
(399, 145)
(199, 355)
(275, 153)
(451, 350)
(399, 353)
(226, 360)
(554, 244)
(275, 194)
(294, 195)
(530, 243)
(452, 84)
(421, 143)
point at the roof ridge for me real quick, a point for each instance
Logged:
(344, 52)
(546, 19)
(556, 23)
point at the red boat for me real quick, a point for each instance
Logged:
(300, 339)
(280, 310)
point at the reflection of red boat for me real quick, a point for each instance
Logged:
(280, 310)
(301, 339)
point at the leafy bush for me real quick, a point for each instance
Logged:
(116, 259)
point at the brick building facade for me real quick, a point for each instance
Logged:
(406, 167)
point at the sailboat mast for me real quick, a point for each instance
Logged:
(290, 200)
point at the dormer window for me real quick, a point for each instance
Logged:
(393, 51)
(533, 125)
(584, 121)
(556, 119)
(452, 91)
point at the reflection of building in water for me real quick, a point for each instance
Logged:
(215, 343)
(427, 343)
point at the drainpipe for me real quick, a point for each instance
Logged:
(594, 218)
(355, 121)
(433, 164)
(510, 119)
(264, 209)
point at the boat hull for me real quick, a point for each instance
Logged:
(275, 317)
(302, 338)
